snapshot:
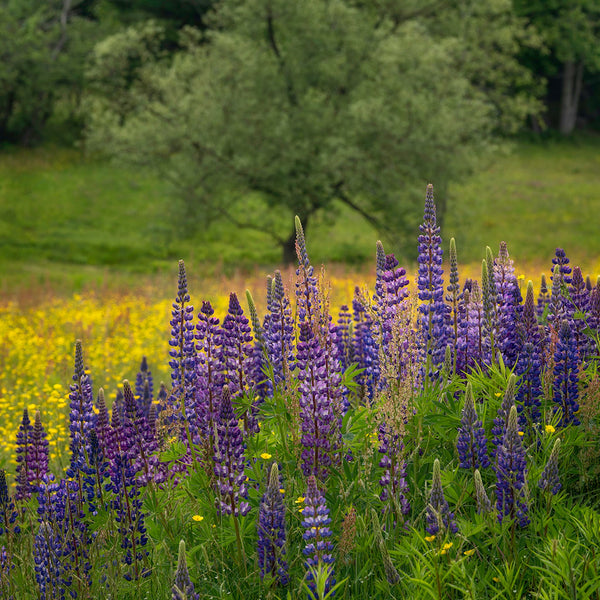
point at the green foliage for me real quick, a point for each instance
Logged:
(308, 104)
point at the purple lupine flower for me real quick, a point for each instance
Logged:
(318, 549)
(279, 331)
(490, 301)
(258, 362)
(509, 301)
(580, 300)
(236, 342)
(67, 540)
(560, 259)
(501, 419)
(210, 373)
(393, 481)
(559, 306)
(511, 470)
(183, 588)
(321, 433)
(439, 518)
(471, 443)
(529, 363)
(343, 337)
(82, 419)
(126, 505)
(183, 353)
(434, 321)
(453, 297)
(566, 376)
(365, 351)
(271, 531)
(484, 505)
(104, 431)
(38, 454)
(23, 450)
(549, 479)
(307, 295)
(144, 388)
(543, 298)
(229, 461)
(391, 289)
(8, 513)
(473, 344)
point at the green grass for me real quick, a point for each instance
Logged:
(67, 221)
(539, 197)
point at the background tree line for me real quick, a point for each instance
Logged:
(300, 106)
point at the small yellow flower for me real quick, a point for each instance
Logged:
(550, 429)
(521, 433)
(521, 277)
(469, 552)
(300, 510)
(198, 518)
(282, 490)
(498, 394)
(300, 500)
(447, 546)
(429, 538)
(495, 579)
(265, 456)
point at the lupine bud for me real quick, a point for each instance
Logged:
(549, 480)
(183, 588)
(471, 442)
(484, 505)
(439, 517)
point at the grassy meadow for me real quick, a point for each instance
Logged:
(87, 253)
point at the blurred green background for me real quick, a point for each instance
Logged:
(134, 133)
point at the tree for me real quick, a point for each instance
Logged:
(43, 46)
(571, 34)
(308, 105)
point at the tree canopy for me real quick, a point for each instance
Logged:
(313, 104)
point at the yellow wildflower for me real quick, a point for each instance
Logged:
(550, 429)
(429, 538)
(198, 518)
(469, 552)
(300, 500)
(521, 433)
(265, 456)
(447, 546)
(498, 394)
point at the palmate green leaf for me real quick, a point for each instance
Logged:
(176, 451)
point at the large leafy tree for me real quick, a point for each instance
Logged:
(308, 105)
(43, 48)
(571, 52)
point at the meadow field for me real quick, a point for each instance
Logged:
(298, 448)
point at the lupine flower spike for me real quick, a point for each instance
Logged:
(471, 442)
(271, 531)
(183, 588)
(439, 517)
(511, 469)
(549, 480)
(484, 504)
(318, 549)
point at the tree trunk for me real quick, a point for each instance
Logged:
(571, 92)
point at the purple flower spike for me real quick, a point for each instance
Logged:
(237, 357)
(566, 376)
(501, 419)
(229, 461)
(271, 531)
(183, 588)
(549, 480)
(183, 352)
(511, 470)
(393, 482)
(38, 458)
(509, 304)
(439, 517)
(8, 513)
(144, 388)
(529, 364)
(307, 295)
(210, 372)
(321, 432)
(471, 442)
(434, 322)
(24, 440)
(318, 549)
